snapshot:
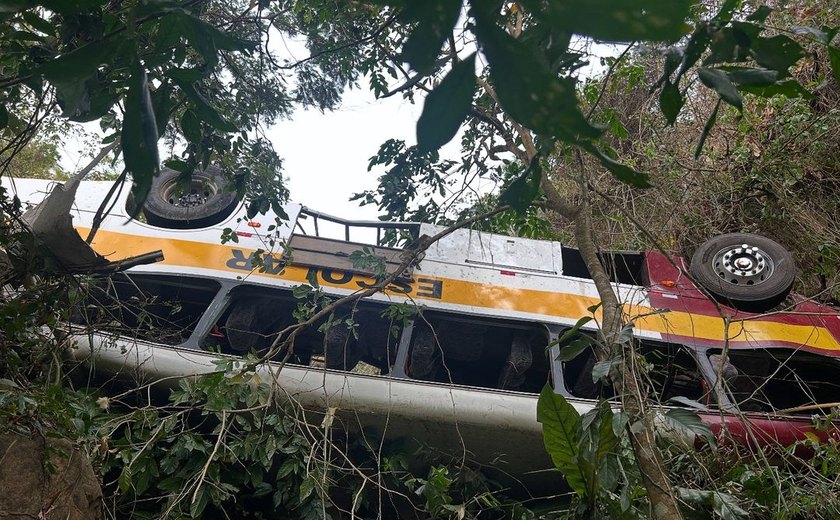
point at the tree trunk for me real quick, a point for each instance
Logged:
(663, 502)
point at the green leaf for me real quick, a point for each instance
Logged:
(124, 480)
(39, 23)
(139, 136)
(574, 349)
(834, 56)
(571, 333)
(777, 52)
(685, 421)
(199, 503)
(788, 88)
(617, 20)
(726, 10)
(182, 167)
(625, 335)
(718, 81)
(69, 6)
(522, 191)
(435, 20)
(760, 14)
(163, 103)
(607, 439)
(621, 171)
(82, 62)
(528, 90)
(203, 110)
(685, 401)
(191, 127)
(750, 76)
(619, 421)
(725, 505)
(206, 39)
(306, 489)
(819, 35)
(560, 435)
(601, 369)
(707, 130)
(446, 107)
(189, 75)
(670, 102)
(673, 57)
(4, 117)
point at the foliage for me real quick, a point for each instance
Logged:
(218, 444)
(197, 73)
(194, 72)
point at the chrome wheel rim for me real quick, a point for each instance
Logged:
(201, 189)
(743, 264)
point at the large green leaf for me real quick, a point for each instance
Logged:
(527, 89)
(670, 102)
(560, 435)
(205, 38)
(686, 422)
(446, 107)
(718, 81)
(617, 20)
(750, 76)
(707, 129)
(203, 109)
(777, 52)
(435, 20)
(620, 171)
(190, 126)
(607, 439)
(788, 88)
(522, 191)
(139, 136)
(574, 348)
(82, 62)
(163, 103)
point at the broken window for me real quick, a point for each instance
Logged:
(357, 337)
(475, 352)
(164, 309)
(780, 379)
(670, 371)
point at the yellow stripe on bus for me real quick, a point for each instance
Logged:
(193, 254)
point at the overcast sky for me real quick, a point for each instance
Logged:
(325, 156)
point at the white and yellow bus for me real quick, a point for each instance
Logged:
(472, 338)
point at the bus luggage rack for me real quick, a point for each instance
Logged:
(394, 235)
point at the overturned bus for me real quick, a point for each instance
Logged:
(455, 350)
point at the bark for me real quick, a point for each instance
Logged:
(663, 501)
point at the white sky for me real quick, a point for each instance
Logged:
(325, 156)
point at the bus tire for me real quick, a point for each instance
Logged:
(750, 272)
(209, 201)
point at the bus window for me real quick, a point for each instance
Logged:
(671, 371)
(357, 339)
(159, 308)
(770, 380)
(482, 353)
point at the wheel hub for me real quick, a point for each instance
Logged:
(743, 264)
(200, 190)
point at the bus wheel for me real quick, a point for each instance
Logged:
(205, 203)
(750, 272)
